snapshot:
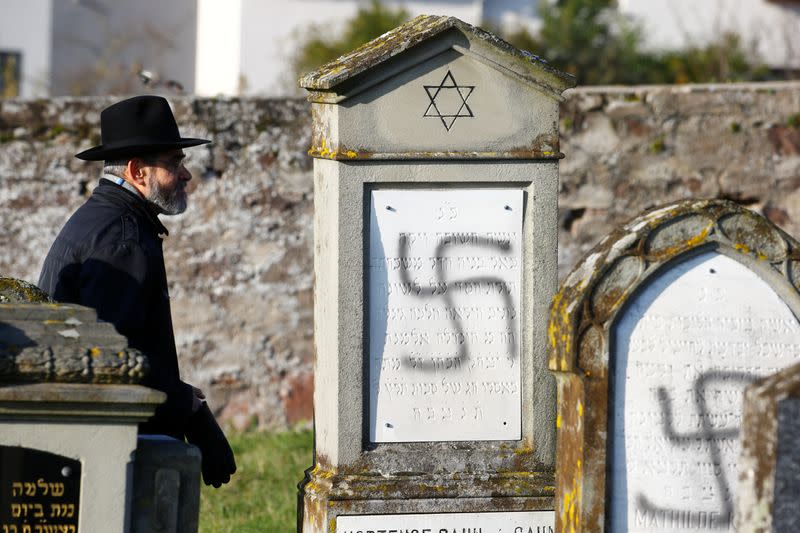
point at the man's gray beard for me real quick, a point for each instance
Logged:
(168, 203)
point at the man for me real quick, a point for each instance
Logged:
(109, 257)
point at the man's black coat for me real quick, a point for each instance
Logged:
(108, 256)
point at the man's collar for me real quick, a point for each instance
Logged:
(122, 183)
(144, 204)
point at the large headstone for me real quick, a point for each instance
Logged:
(70, 405)
(769, 467)
(436, 178)
(654, 337)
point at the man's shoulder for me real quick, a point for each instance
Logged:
(97, 221)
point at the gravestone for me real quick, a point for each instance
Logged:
(653, 338)
(69, 408)
(769, 467)
(436, 178)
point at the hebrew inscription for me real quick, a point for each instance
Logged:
(39, 491)
(444, 291)
(509, 522)
(685, 348)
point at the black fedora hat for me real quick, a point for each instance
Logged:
(137, 126)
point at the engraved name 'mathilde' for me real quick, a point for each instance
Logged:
(448, 101)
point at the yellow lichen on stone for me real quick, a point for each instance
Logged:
(324, 152)
(95, 351)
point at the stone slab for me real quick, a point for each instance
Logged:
(685, 348)
(132, 403)
(444, 294)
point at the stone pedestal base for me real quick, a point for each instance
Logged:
(95, 424)
(515, 497)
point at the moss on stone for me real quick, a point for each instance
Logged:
(658, 146)
(18, 291)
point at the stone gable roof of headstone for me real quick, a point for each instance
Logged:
(481, 45)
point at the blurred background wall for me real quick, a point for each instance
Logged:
(240, 259)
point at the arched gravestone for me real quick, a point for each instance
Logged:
(653, 339)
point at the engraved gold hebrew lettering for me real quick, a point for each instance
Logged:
(57, 489)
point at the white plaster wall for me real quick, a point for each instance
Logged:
(219, 47)
(772, 29)
(110, 40)
(25, 27)
(271, 30)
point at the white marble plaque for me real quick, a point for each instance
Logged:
(685, 349)
(444, 292)
(512, 522)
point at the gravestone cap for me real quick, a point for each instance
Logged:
(436, 88)
(523, 64)
(51, 342)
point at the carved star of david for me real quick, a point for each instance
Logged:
(448, 101)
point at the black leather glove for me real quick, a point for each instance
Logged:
(203, 431)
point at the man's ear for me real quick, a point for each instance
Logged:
(136, 173)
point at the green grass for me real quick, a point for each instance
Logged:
(262, 495)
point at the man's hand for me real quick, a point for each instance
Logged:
(198, 399)
(218, 463)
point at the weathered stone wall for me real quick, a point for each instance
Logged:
(240, 258)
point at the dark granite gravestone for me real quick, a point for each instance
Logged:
(769, 468)
(653, 338)
(39, 491)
